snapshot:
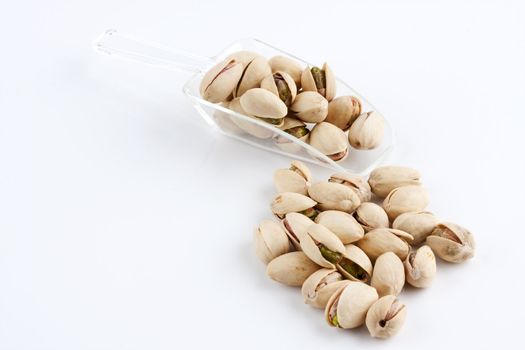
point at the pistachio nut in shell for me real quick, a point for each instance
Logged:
(452, 242)
(270, 241)
(291, 269)
(294, 179)
(329, 140)
(295, 226)
(248, 126)
(290, 202)
(420, 267)
(384, 179)
(310, 107)
(322, 246)
(418, 223)
(385, 317)
(405, 199)
(263, 104)
(381, 240)
(348, 306)
(321, 80)
(254, 72)
(355, 264)
(343, 111)
(320, 286)
(342, 224)
(359, 185)
(244, 56)
(367, 131)
(218, 83)
(281, 84)
(334, 196)
(389, 274)
(288, 65)
(371, 216)
(296, 128)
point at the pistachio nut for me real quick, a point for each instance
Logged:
(384, 179)
(333, 196)
(263, 104)
(322, 246)
(244, 57)
(382, 240)
(254, 72)
(343, 111)
(452, 242)
(418, 223)
(295, 226)
(218, 83)
(342, 224)
(359, 185)
(319, 80)
(310, 107)
(296, 128)
(405, 199)
(385, 317)
(270, 241)
(420, 267)
(329, 140)
(288, 65)
(247, 126)
(320, 286)
(355, 264)
(291, 268)
(389, 275)
(371, 216)
(367, 131)
(294, 179)
(348, 306)
(290, 202)
(281, 84)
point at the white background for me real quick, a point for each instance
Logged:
(125, 222)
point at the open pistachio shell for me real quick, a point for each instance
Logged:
(355, 264)
(294, 179)
(320, 286)
(282, 85)
(290, 202)
(310, 107)
(359, 185)
(389, 274)
(385, 317)
(288, 65)
(250, 128)
(452, 242)
(367, 131)
(371, 216)
(322, 246)
(348, 306)
(334, 196)
(295, 226)
(420, 267)
(384, 179)
(329, 140)
(381, 240)
(419, 224)
(218, 83)
(263, 104)
(319, 80)
(343, 111)
(270, 241)
(291, 269)
(296, 128)
(342, 224)
(405, 199)
(252, 76)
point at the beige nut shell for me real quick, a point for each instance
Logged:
(270, 241)
(405, 199)
(371, 216)
(389, 275)
(342, 224)
(291, 268)
(420, 267)
(382, 240)
(320, 286)
(384, 179)
(385, 317)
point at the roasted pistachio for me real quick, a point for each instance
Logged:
(385, 317)
(248, 126)
(295, 226)
(310, 107)
(290, 202)
(329, 140)
(371, 216)
(291, 268)
(335, 196)
(263, 104)
(405, 199)
(322, 246)
(367, 131)
(452, 242)
(420, 267)
(342, 224)
(419, 224)
(382, 240)
(319, 80)
(355, 264)
(218, 83)
(281, 84)
(348, 306)
(294, 179)
(354, 182)
(288, 65)
(270, 241)
(389, 274)
(254, 72)
(384, 179)
(343, 111)
(320, 286)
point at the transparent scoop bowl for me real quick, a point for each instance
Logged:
(238, 126)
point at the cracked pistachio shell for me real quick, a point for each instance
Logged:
(328, 85)
(218, 83)
(290, 202)
(452, 242)
(371, 216)
(253, 74)
(348, 306)
(381, 240)
(296, 128)
(282, 85)
(291, 269)
(244, 57)
(343, 111)
(262, 103)
(384, 179)
(270, 241)
(329, 140)
(295, 226)
(334, 196)
(316, 237)
(320, 286)
(419, 224)
(342, 224)
(247, 126)
(385, 317)
(389, 275)
(359, 185)
(310, 107)
(420, 267)
(367, 131)
(355, 264)
(288, 65)
(405, 199)
(294, 179)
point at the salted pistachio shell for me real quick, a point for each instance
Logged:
(218, 83)
(384, 179)
(310, 107)
(319, 80)
(253, 74)
(385, 317)
(270, 241)
(320, 286)
(371, 216)
(262, 103)
(294, 179)
(405, 199)
(295, 226)
(291, 269)
(367, 131)
(247, 126)
(348, 306)
(389, 274)
(355, 264)
(282, 85)
(359, 185)
(343, 111)
(342, 224)
(452, 242)
(329, 140)
(420, 267)
(290, 202)
(288, 65)
(322, 246)
(419, 224)
(244, 57)
(381, 240)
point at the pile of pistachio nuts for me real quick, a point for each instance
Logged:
(353, 256)
(300, 101)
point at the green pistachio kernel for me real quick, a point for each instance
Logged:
(330, 255)
(298, 131)
(273, 121)
(354, 269)
(310, 213)
(319, 78)
(335, 322)
(284, 91)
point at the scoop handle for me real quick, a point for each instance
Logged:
(113, 43)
